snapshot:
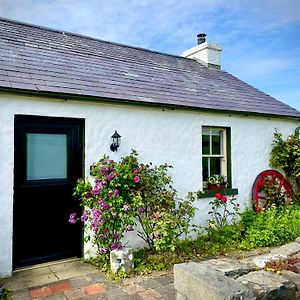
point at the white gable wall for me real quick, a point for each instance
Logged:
(159, 135)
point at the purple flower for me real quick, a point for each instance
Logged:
(114, 246)
(116, 236)
(103, 171)
(111, 169)
(116, 192)
(104, 206)
(88, 195)
(101, 221)
(104, 163)
(103, 250)
(109, 195)
(105, 230)
(140, 211)
(129, 228)
(110, 177)
(84, 216)
(100, 200)
(136, 179)
(96, 213)
(155, 235)
(72, 218)
(96, 190)
(111, 161)
(95, 227)
(126, 207)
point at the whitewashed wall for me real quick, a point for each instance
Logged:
(159, 135)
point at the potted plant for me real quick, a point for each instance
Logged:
(216, 182)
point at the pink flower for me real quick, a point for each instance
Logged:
(136, 171)
(155, 235)
(100, 200)
(72, 218)
(103, 250)
(126, 207)
(84, 217)
(116, 192)
(136, 179)
(129, 228)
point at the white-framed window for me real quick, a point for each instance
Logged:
(214, 152)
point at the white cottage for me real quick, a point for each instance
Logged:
(63, 95)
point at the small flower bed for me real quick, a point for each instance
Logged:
(279, 265)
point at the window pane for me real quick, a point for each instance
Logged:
(217, 139)
(205, 168)
(205, 142)
(46, 156)
(215, 165)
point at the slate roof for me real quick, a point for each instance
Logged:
(39, 59)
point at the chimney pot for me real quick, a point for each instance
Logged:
(201, 38)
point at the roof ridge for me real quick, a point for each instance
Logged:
(90, 38)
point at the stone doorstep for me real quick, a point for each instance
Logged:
(195, 282)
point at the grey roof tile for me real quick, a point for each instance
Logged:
(39, 59)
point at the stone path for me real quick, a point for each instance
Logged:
(74, 279)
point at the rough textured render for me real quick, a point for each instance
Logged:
(42, 60)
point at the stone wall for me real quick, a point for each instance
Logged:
(225, 278)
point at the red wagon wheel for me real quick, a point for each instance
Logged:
(271, 187)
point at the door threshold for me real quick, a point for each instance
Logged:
(46, 264)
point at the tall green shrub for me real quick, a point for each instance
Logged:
(285, 155)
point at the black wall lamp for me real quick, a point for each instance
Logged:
(115, 142)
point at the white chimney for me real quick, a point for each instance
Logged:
(208, 54)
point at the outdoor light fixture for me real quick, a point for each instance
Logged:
(115, 142)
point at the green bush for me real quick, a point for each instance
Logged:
(285, 155)
(270, 227)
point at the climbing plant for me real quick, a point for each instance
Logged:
(285, 155)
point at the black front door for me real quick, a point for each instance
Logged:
(48, 161)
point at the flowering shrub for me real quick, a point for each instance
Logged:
(126, 193)
(220, 211)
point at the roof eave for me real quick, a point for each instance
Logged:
(65, 97)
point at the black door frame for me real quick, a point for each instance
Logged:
(75, 169)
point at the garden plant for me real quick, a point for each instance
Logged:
(125, 194)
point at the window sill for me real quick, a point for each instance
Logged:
(210, 193)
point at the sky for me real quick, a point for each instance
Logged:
(260, 38)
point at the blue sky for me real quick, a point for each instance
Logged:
(260, 38)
